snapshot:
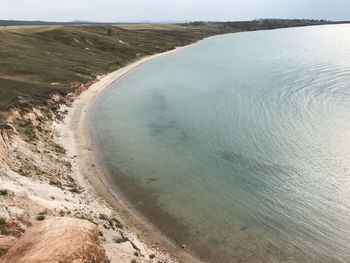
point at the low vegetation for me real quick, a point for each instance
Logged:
(56, 183)
(58, 148)
(120, 239)
(24, 171)
(25, 126)
(3, 230)
(3, 192)
(41, 216)
(38, 61)
(2, 251)
(117, 223)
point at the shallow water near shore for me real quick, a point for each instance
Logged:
(239, 146)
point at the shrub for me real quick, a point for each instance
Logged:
(109, 32)
(24, 123)
(65, 91)
(70, 178)
(120, 240)
(3, 192)
(29, 132)
(58, 148)
(88, 218)
(102, 217)
(68, 165)
(74, 190)
(117, 223)
(2, 251)
(56, 183)
(40, 217)
(24, 171)
(3, 230)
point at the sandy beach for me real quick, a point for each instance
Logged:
(74, 136)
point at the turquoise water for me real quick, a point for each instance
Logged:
(239, 146)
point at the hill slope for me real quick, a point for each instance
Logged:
(38, 60)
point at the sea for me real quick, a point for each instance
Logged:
(238, 146)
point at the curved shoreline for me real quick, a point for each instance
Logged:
(76, 138)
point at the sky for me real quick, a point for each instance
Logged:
(171, 10)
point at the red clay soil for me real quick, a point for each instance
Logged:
(63, 240)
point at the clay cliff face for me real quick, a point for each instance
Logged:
(63, 240)
(46, 203)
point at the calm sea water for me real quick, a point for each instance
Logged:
(239, 146)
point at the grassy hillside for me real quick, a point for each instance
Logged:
(38, 60)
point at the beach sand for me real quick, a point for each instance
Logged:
(74, 136)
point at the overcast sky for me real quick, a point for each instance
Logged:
(172, 10)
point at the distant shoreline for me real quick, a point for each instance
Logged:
(80, 23)
(75, 136)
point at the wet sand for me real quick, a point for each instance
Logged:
(78, 142)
